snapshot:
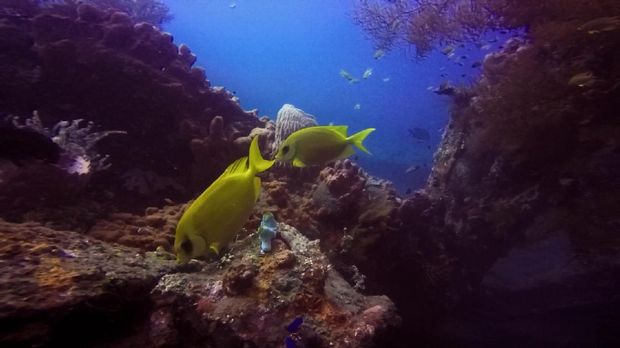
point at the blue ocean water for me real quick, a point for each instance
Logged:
(274, 52)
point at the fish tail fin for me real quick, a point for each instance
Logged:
(257, 162)
(357, 139)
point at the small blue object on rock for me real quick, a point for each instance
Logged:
(295, 325)
(267, 231)
(290, 340)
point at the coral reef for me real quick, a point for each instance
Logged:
(523, 177)
(60, 287)
(76, 142)
(152, 11)
(426, 24)
(352, 214)
(61, 60)
(253, 298)
(516, 222)
(512, 240)
(155, 229)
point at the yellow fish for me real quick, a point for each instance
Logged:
(216, 216)
(320, 144)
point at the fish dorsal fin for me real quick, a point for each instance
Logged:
(237, 167)
(257, 163)
(339, 129)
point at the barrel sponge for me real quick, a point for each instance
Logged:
(289, 120)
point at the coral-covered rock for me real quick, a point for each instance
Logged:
(60, 288)
(238, 279)
(56, 285)
(61, 59)
(156, 228)
(252, 299)
(514, 210)
(344, 179)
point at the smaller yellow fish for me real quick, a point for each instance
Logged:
(321, 144)
(219, 213)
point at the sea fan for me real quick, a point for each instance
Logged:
(289, 120)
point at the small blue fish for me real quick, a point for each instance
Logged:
(289, 342)
(267, 230)
(419, 134)
(292, 328)
(295, 324)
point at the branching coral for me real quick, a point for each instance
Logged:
(428, 23)
(423, 23)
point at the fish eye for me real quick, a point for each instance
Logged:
(187, 246)
(285, 149)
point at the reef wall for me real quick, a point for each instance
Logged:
(77, 62)
(515, 234)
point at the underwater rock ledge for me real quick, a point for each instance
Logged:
(63, 288)
(249, 299)
(60, 287)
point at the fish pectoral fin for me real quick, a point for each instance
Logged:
(215, 247)
(298, 163)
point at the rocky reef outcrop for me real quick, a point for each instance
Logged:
(514, 236)
(70, 62)
(60, 287)
(64, 288)
(253, 297)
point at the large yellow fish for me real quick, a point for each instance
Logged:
(216, 216)
(321, 144)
